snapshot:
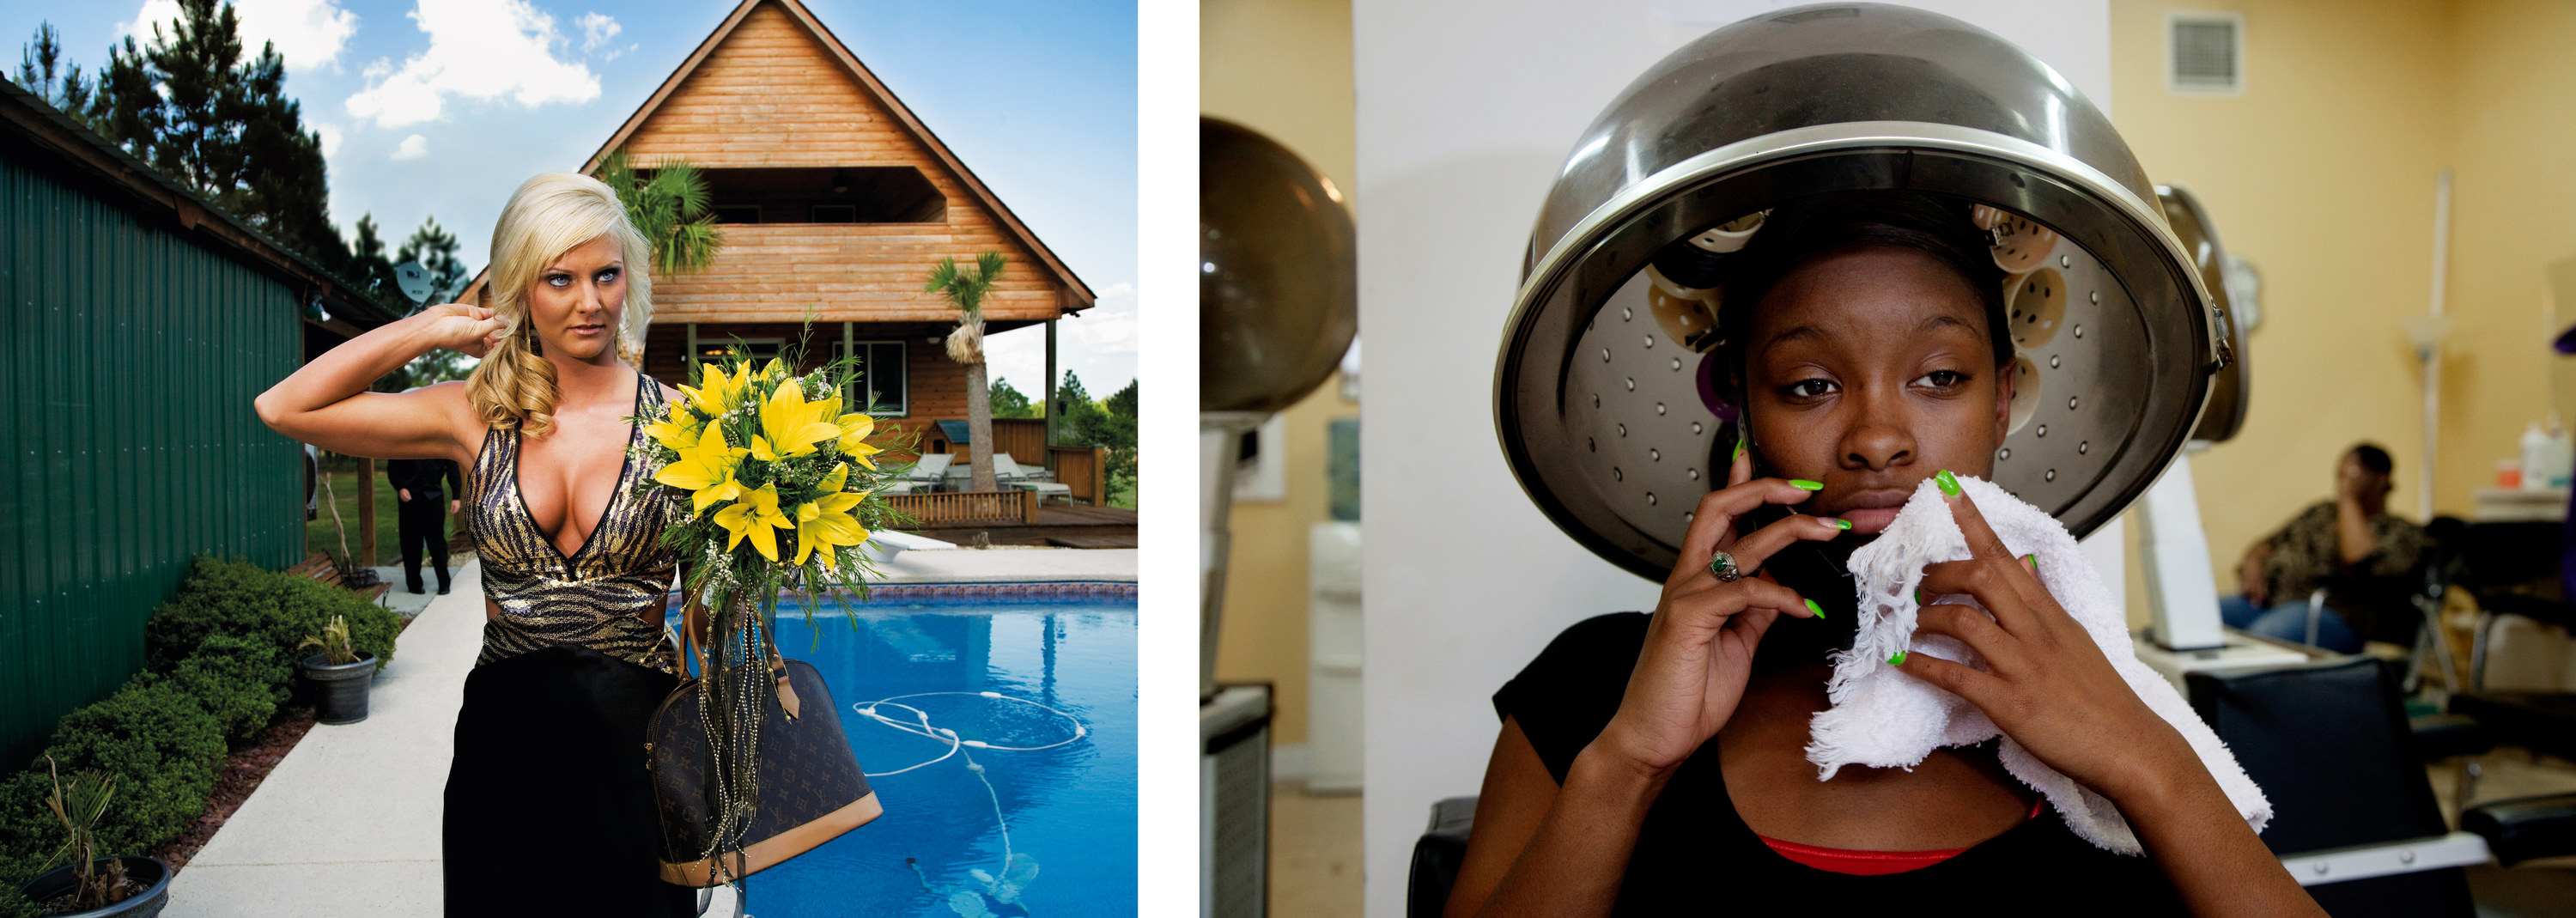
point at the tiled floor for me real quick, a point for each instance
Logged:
(1314, 853)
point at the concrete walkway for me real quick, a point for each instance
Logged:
(349, 820)
(348, 823)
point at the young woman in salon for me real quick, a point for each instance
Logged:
(1651, 765)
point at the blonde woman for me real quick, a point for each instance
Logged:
(549, 810)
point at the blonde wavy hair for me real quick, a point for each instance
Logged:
(514, 386)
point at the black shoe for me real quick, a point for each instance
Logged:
(442, 589)
(415, 588)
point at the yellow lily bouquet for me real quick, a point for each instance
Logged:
(778, 479)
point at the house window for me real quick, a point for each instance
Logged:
(882, 375)
(737, 213)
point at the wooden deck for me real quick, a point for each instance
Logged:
(1062, 525)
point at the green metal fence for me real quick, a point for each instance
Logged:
(129, 356)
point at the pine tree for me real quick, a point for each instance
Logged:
(190, 105)
(1008, 402)
(368, 266)
(68, 91)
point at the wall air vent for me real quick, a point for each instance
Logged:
(2205, 53)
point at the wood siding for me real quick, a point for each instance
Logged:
(772, 95)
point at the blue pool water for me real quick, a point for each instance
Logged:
(1017, 675)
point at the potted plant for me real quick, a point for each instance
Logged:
(340, 675)
(134, 887)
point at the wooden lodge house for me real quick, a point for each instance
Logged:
(836, 203)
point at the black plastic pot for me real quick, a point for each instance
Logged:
(340, 692)
(152, 872)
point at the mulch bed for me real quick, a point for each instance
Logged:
(244, 769)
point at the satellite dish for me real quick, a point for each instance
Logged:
(414, 281)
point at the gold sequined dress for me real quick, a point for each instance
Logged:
(549, 808)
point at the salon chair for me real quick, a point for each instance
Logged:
(2344, 768)
(2353, 817)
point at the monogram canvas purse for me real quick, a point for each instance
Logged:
(809, 788)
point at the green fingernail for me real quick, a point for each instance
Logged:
(2032, 560)
(1812, 607)
(1949, 483)
(1897, 660)
(1841, 524)
(1739, 449)
(1804, 484)
(1919, 598)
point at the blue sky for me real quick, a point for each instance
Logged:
(441, 107)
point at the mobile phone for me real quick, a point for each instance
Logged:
(1819, 571)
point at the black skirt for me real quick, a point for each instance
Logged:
(549, 808)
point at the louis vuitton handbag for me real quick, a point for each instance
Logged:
(750, 792)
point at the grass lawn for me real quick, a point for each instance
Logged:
(320, 535)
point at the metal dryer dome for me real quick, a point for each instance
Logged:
(1599, 393)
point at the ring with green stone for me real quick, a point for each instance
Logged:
(1723, 566)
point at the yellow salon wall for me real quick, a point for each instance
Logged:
(1281, 67)
(2322, 173)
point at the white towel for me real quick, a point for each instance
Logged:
(1886, 719)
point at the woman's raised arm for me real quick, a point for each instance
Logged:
(325, 403)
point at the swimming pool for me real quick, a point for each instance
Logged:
(1049, 688)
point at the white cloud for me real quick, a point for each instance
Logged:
(1109, 326)
(478, 49)
(330, 135)
(413, 147)
(1097, 344)
(308, 33)
(596, 30)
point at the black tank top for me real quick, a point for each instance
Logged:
(1695, 855)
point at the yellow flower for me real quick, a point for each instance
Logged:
(678, 431)
(790, 426)
(827, 521)
(856, 428)
(705, 468)
(722, 392)
(756, 515)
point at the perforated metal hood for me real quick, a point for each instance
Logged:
(1600, 396)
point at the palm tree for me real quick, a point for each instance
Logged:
(966, 345)
(670, 209)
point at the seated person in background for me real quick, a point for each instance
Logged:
(2346, 546)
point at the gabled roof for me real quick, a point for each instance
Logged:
(1080, 293)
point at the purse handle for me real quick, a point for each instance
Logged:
(696, 650)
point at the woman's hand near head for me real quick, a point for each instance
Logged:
(325, 402)
(463, 327)
(1541, 848)
(1700, 644)
(2049, 687)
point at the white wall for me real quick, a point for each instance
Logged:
(1466, 109)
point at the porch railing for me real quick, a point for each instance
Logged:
(967, 507)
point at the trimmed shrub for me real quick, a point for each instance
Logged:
(29, 833)
(241, 681)
(164, 750)
(279, 610)
(13, 905)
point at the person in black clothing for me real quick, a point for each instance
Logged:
(425, 507)
(1652, 765)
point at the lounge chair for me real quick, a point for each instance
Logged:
(1009, 473)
